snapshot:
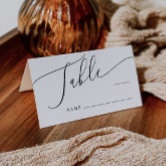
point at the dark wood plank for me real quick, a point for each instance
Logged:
(18, 117)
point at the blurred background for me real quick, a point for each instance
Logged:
(9, 15)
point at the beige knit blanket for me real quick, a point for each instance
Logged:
(146, 30)
(104, 147)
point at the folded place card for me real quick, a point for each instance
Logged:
(81, 85)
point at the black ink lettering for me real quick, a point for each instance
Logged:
(92, 75)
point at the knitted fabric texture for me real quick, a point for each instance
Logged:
(145, 30)
(103, 147)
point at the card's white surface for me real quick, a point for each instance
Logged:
(9, 15)
(116, 90)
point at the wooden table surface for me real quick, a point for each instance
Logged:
(18, 116)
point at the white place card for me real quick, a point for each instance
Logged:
(82, 85)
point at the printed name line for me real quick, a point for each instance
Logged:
(111, 102)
